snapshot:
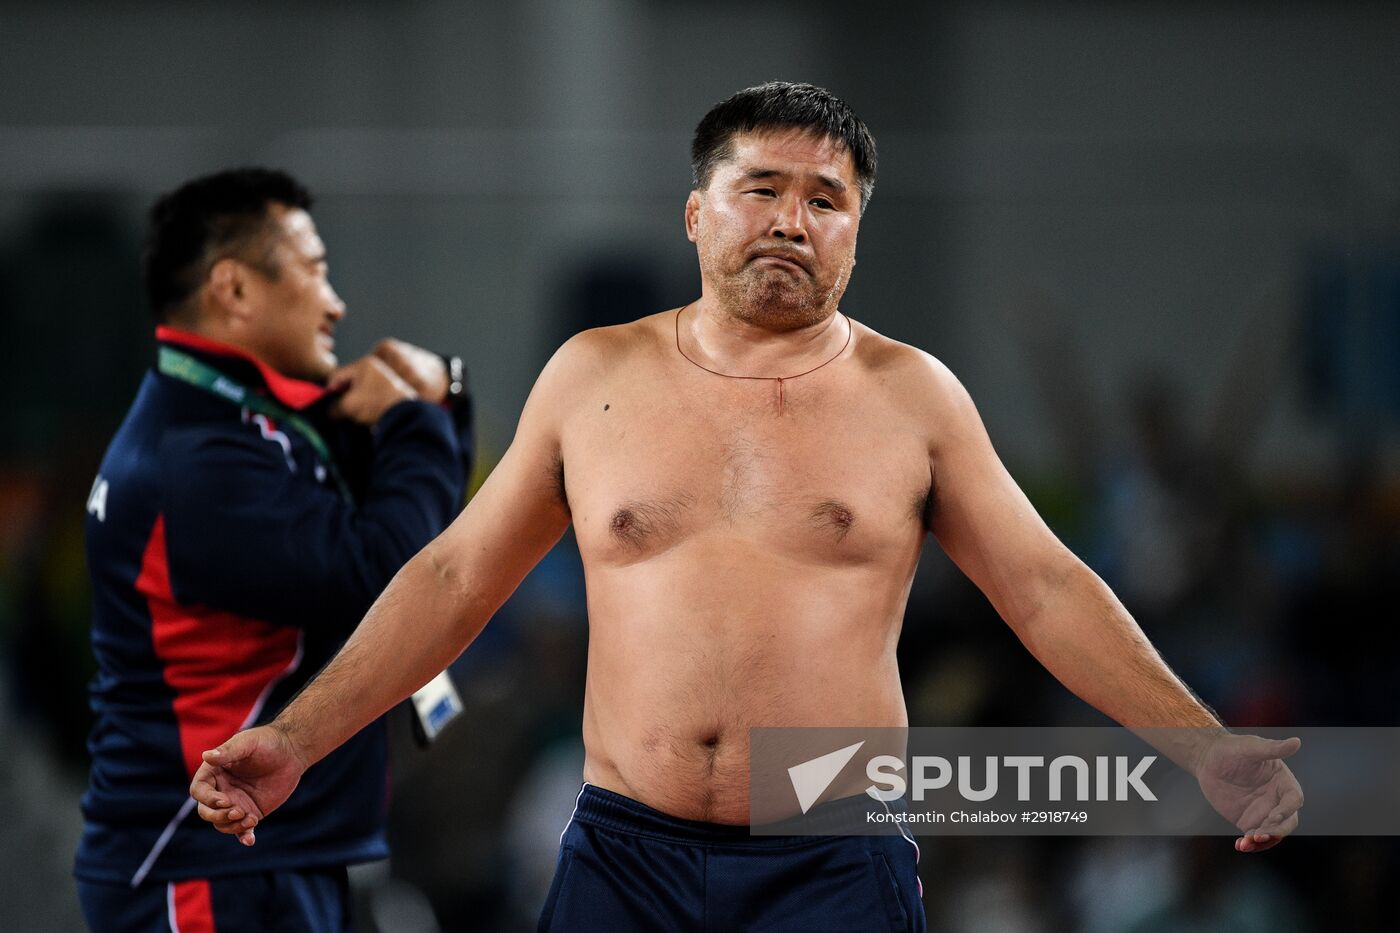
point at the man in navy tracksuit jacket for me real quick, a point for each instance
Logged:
(252, 506)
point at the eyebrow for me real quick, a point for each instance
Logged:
(759, 174)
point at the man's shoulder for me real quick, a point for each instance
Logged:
(608, 343)
(592, 359)
(165, 418)
(599, 351)
(899, 364)
(915, 382)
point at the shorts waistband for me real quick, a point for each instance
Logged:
(610, 810)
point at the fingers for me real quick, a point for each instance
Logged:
(210, 800)
(231, 820)
(392, 357)
(393, 371)
(234, 750)
(370, 387)
(343, 376)
(405, 358)
(202, 786)
(1280, 824)
(424, 372)
(384, 369)
(213, 803)
(1256, 842)
(216, 807)
(367, 370)
(392, 352)
(216, 815)
(228, 817)
(1261, 749)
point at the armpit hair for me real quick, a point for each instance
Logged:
(925, 503)
(556, 477)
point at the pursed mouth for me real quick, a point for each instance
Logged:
(783, 259)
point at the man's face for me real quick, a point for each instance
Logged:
(293, 316)
(776, 227)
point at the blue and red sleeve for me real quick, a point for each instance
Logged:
(249, 535)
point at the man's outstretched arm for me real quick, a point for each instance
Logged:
(432, 609)
(1074, 625)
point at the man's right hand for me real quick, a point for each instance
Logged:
(245, 779)
(371, 388)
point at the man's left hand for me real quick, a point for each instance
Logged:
(1246, 781)
(422, 369)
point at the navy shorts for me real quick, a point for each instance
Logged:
(314, 901)
(625, 867)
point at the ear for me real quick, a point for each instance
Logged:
(692, 215)
(227, 287)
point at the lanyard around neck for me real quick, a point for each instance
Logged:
(182, 366)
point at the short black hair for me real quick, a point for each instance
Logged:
(205, 220)
(782, 105)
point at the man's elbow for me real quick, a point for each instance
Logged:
(443, 582)
(1058, 588)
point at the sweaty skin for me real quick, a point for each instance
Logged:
(746, 565)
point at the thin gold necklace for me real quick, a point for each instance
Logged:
(778, 379)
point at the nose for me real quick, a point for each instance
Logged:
(789, 220)
(334, 307)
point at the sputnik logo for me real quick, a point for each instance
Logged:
(811, 778)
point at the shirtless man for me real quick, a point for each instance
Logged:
(748, 543)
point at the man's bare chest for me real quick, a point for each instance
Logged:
(824, 479)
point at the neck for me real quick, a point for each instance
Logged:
(213, 330)
(725, 341)
(224, 329)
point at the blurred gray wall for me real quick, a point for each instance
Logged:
(1130, 186)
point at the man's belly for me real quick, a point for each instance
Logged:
(682, 667)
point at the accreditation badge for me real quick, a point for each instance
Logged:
(435, 704)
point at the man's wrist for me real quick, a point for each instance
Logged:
(1202, 741)
(287, 731)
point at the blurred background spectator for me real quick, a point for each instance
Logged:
(1160, 244)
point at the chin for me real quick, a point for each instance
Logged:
(772, 305)
(318, 369)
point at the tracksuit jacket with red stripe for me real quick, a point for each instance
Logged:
(227, 568)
